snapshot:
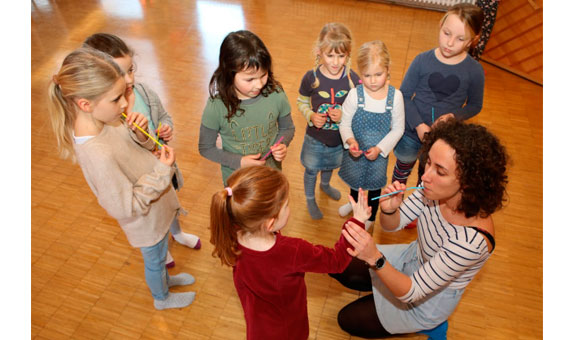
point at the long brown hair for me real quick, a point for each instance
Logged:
(257, 194)
(239, 51)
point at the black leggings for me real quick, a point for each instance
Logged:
(359, 318)
(373, 204)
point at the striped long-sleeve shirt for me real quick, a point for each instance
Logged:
(449, 255)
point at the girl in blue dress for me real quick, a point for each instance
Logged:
(372, 124)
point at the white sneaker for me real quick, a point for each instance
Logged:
(345, 209)
(169, 260)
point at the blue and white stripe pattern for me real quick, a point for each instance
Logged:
(449, 255)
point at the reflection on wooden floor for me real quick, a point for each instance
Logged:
(88, 283)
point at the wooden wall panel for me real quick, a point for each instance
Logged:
(516, 42)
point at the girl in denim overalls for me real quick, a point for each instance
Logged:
(371, 125)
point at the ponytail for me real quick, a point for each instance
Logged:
(62, 118)
(315, 69)
(348, 69)
(223, 233)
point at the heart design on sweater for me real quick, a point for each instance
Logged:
(441, 86)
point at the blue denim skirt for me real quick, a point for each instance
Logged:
(317, 156)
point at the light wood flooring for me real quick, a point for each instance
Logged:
(88, 283)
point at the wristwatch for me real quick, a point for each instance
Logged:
(379, 263)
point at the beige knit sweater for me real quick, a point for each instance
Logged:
(131, 184)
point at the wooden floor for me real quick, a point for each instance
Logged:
(88, 283)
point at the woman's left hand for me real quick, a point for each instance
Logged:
(279, 152)
(364, 246)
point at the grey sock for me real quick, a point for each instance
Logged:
(330, 191)
(313, 209)
(175, 300)
(181, 279)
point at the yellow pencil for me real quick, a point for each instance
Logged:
(144, 131)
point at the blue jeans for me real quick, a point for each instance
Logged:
(155, 268)
(406, 149)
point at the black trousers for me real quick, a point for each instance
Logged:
(359, 318)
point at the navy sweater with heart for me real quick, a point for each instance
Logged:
(431, 88)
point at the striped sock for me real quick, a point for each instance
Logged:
(401, 171)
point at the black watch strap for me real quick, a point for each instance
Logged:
(379, 263)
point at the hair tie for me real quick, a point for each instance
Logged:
(55, 79)
(229, 190)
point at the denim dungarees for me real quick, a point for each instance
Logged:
(368, 128)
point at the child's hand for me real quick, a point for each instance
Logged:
(391, 203)
(421, 130)
(167, 155)
(335, 115)
(354, 147)
(165, 132)
(443, 118)
(279, 152)
(372, 153)
(250, 160)
(318, 120)
(361, 209)
(135, 118)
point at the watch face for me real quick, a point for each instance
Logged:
(380, 262)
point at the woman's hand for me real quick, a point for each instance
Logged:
(363, 245)
(167, 155)
(390, 204)
(165, 132)
(136, 118)
(335, 115)
(279, 152)
(318, 120)
(372, 153)
(354, 147)
(361, 209)
(250, 160)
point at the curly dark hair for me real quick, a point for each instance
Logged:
(240, 50)
(481, 165)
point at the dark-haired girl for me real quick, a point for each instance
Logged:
(247, 108)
